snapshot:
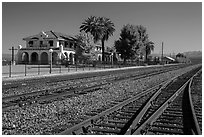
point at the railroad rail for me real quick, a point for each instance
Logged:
(124, 107)
(138, 114)
(66, 83)
(47, 95)
(171, 112)
(196, 98)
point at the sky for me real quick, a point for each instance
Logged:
(178, 25)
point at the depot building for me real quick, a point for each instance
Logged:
(39, 48)
(55, 46)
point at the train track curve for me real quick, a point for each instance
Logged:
(138, 114)
(73, 90)
(171, 112)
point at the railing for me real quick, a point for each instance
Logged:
(58, 66)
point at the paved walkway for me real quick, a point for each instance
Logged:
(55, 72)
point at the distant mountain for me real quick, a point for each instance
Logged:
(189, 54)
(158, 55)
(193, 54)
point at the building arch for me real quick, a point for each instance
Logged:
(34, 58)
(54, 57)
(105, 58)
(44, 58)
(24, 57)
(99, 58)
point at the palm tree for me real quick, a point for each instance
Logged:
(100, 27)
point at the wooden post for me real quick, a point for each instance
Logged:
(162, 55)
(39, 62)
(25, 69)
(10, 69)
(12, 54)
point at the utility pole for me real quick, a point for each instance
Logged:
(12, 54)
(162, 55)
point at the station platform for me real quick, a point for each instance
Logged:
(69, 73)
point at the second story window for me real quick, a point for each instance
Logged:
(41, 43)
(71, 44)
(75, 45)
(51, 43)
(60, 42)
(65, 44)
(30, 43)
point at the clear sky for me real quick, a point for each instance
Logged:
(178, 25)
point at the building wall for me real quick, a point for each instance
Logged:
(36, 43)
(35, 52)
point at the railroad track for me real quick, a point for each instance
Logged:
(132, 116)
(48, 95)
(196, 93)
(72, 86)
(170, 112)
(69, 83)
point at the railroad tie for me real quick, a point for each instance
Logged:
(166, 131)
(106, 130)
(109, 125)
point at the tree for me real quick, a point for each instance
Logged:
(146, 46)
(127, 44)
(85, 48)
(133, 42)
(100, 27)
(149, 46)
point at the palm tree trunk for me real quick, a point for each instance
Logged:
(103, 50)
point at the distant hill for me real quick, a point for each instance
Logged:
(158, 55)
(193, 54)
(189, 54)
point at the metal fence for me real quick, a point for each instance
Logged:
(67, 67)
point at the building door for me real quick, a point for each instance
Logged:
(34, 58)
(44, 58)
(54, 58)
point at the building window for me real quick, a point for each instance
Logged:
(60, 42)
(65, 44)
(71, 44)
(41, 43)
(51, 42)
(30, 43)
(75, 45)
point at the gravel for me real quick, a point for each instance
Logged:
(56, 116)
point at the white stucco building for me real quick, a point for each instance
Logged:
(38, 46)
